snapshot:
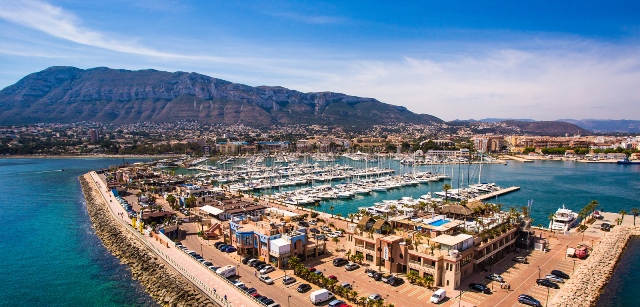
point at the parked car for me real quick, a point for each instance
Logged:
(560, 274)
(303, 288)
(385, 278)
(395, 281)
(346, 285)
(258, 263)
(547, 283)
(325, 228)
(287, 280)
(317, 272)
(251, 290)
(321, 237)
(217, 244)
(268, 302)
(495, 277)
(251, 262)
(351, 266)
(605, 227)
(256, 294)
(221, 246)
(336, 303)
(371, 272)
(266, 279)
(207, 263)
(313, 222)
(263, 299)
(377, 276)
(375, 297)
(520, 259)
(261, 266)
(528, 300)
(230, 249)
(303, 224)
(333, 277)
(267, 269)
(554, 278)
(245, 260)
(340, 261)
(480, 288)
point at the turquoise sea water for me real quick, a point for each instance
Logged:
(550, 184)
(50, 254)
(53, 258)
(622, 289)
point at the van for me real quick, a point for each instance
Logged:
(438, 296)
(227, 271)
(320, 296)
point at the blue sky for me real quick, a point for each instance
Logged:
(453, 59)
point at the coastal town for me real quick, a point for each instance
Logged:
(193, 139)
(239, 244)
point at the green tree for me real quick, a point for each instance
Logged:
(336, 241)
(331, 208)
(622, 214)
(635, 212)
(446, 187)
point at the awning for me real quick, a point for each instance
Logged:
(211, 210)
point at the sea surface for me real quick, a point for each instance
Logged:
(53, 258)
(50, 254)
(624, 286)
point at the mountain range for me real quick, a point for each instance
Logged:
(68, 94)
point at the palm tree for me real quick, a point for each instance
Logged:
(635, 212)
(336, 241)
(362, 301)
(352, 295)
(294, 262)
(551, 218)
(622, 214)
(593, 205)
(428, 280)
(513, 213)
(446, 187)
(351, 216)
(412, 276)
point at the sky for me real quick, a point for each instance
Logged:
(542, 60)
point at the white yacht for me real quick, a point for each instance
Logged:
(564, 219)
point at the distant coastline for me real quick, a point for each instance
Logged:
(85, 156)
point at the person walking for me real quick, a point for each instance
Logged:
(508, 287)
(225, 297)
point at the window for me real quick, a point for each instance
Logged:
(369, 257)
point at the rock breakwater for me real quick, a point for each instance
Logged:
(584, 288)
(166, 286)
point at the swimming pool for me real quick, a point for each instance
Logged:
(439, 222)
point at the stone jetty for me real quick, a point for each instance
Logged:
(165, 285)
(584, 288)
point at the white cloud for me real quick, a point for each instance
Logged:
(311, 19)
(543, 79)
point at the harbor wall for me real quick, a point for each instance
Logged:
(589, 280)
(162, 283)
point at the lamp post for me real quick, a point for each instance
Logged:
(538, 272)
(288, 297)
(460, 298)
(547, 303)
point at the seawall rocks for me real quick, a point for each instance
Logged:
(584, 288)
(167, 287)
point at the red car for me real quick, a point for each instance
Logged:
(255, 294)
(333, 277)
(344, 305)
(312, 269)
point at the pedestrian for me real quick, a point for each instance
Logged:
(255, 273)
(225, 297)
(508, 287)
(214, 290)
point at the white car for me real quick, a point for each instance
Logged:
(287, 280)
(266, 279)
(554, 278)
(332, 235)
(346, 285)
(375, 297)
(267, 269)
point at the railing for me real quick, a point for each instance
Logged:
(218, 299)
(487, 255)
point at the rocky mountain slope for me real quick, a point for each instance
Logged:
(69, 94)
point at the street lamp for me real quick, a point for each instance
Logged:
(538, 272)
(547, 303)
(460, 298)
(288, 297)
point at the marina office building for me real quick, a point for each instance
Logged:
(442, 251)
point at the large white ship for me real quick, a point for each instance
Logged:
(564, 219)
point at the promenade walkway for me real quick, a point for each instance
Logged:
(210, 284)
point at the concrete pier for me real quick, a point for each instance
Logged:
(494, 194)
